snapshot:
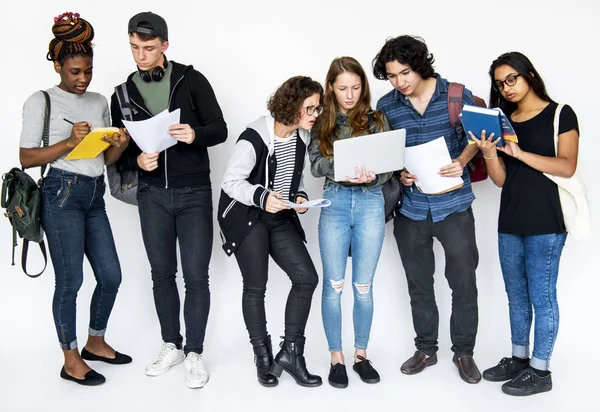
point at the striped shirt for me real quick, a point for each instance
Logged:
(434, 123)
(285, 153)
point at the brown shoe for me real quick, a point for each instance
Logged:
(417, 363)
(467, 368)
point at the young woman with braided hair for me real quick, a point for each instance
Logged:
(73, 211)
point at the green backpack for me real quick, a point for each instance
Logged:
(21, 200)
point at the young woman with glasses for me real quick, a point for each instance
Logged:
(262, 190)
(531, 229)
(355, 219)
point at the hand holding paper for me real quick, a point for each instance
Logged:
(426, 161)
(152, 135)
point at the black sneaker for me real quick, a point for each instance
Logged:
(505, 370)
(338, 378)
(528, 383)
(365, 370)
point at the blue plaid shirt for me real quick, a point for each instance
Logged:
(434, 123)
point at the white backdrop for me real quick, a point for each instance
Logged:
(247, 49)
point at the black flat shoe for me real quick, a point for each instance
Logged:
(119, 359)
(92, 378)
(365, 370)
(338, 378)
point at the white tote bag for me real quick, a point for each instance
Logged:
(573, 195)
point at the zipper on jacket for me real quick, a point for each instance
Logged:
(149, 114)
(168, 107)
(140, 107)
(166, 177)
(228, 208)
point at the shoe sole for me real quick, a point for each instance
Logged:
(195, 386)
(269, 385)
(338, 385)
(163, 371)
(370, 381)
(521, 392)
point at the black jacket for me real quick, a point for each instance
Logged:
(239, 210)
(183, 164)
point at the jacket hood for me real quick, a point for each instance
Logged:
(265, 127)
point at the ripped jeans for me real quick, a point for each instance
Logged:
(355, 218)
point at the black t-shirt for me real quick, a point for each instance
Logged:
(529, 203)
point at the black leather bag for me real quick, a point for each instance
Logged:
(392, 195)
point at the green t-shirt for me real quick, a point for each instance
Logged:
(155, 94)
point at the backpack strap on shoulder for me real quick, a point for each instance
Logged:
(455, 92)
(46, 132)
(127, 109)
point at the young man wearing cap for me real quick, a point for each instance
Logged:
(419, 103)
(174, 190)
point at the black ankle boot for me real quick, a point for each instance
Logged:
(263, 359)
(291, 359)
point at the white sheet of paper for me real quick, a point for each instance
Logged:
(425, 161)
(310, 203)
(152, 135)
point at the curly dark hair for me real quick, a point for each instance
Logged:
(72, 36)
(287, 101)
(408, 50)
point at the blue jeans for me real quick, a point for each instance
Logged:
(530, 270)
(355, 218)
(166, 216)
(75, 222)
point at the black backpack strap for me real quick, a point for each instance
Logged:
(371, 120)
(127, 109)
(24, 257)
(46, 133)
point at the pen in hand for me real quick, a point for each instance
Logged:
(66, 120)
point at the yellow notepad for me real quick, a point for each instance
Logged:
(92, 145)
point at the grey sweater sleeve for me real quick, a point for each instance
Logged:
(33, 121)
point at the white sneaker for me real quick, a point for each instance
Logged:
(169, 356)
(195, 372)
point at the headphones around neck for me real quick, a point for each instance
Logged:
(156, 74)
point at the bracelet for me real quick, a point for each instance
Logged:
(490, 158)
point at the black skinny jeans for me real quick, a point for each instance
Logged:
(275, 235)
(456, 233)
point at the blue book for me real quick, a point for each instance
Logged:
(475, 119)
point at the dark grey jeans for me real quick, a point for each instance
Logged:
(456, 233)
(184, 215)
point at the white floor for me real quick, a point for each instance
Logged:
(30, 362)
(35, 386)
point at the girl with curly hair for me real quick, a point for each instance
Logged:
(262, 182)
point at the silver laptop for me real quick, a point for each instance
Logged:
(380, 153)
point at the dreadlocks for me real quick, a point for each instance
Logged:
(72, 36)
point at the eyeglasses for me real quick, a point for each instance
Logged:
(311, 110)
(509, 81)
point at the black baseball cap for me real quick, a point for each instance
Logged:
(159, 25)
